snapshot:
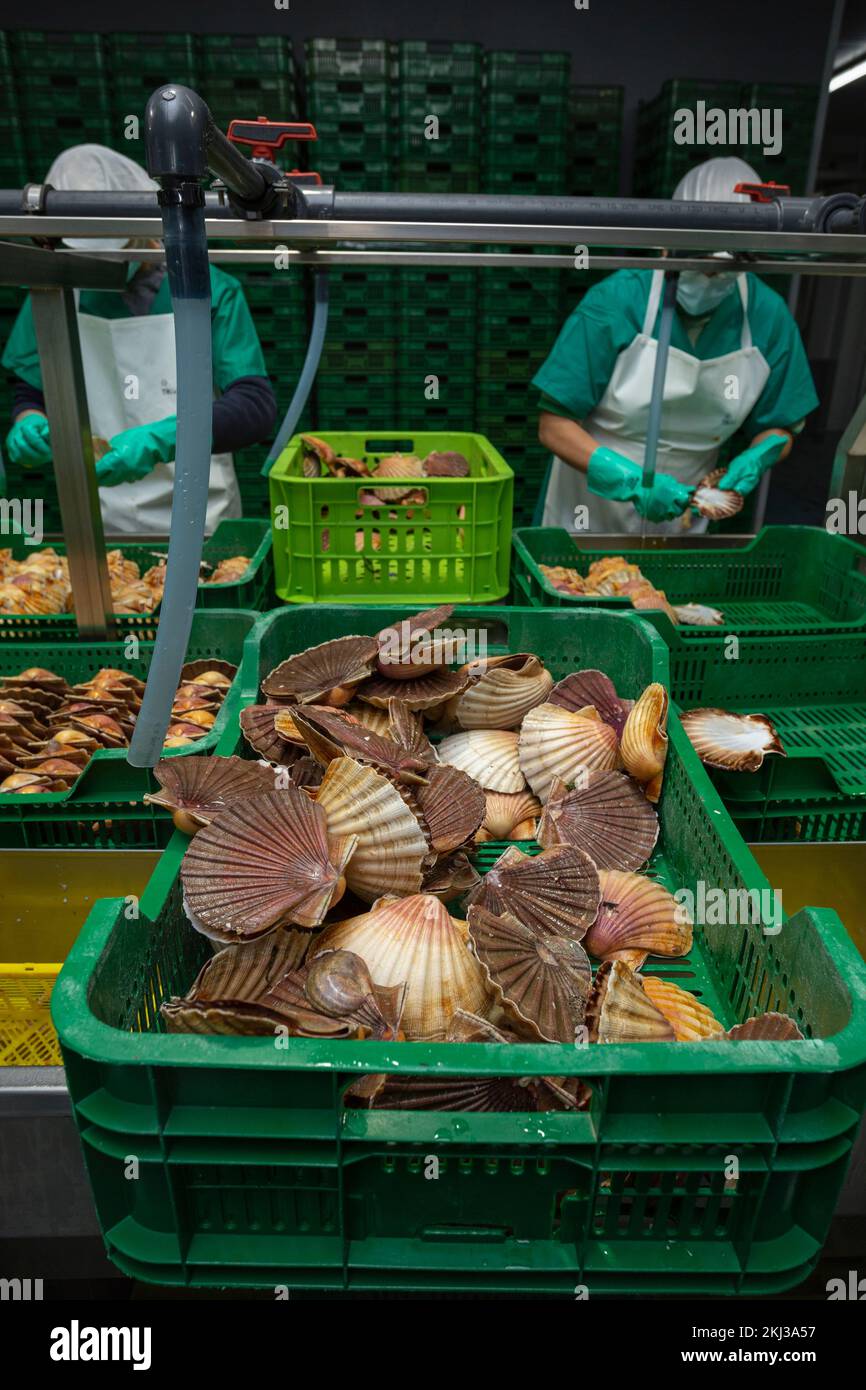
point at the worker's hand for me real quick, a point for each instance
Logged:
(613, 475)
(134, 452)
(28, 443)
(746, 470)
(665, 500)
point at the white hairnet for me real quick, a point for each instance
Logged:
(714, 180)
(97, 169)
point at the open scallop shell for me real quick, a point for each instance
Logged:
(331, 734)
(451, 807)
(542, 982)
(690, 1019)
(419, 692)
(450, 877)
(605, 575)
(555, 893)
(265, 862)
(769, 1027)
(591, 687)
(644, 744)
(698, 615)
(507, 813)
(391, 848)
(193, 671)
(198, 788)
(608, 817)
(619, 1009)
(736, 742)
(490, 756)
(405, 650)
(637, 918)
(415, 941)
(226, 996)
(38, 678)
(560, 743)
(326, 674)
(338, 983)
(713, 502)
(257, 726)
(501, 691)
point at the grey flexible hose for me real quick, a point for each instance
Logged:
(308, 372)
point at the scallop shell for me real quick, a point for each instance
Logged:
(591, 687)
(227, 992)
(401, 653)
(542, 981)
(736, 742)
(192, 670)
(466, 1094)
(415, 941)
(330, 734)
(450, 877)
(446, 463)
(391, 847)
(376, 720)
(451, 807)
(555, 893)
(502, 692)
(769, 1027)
(620, 1010)
(713, 502)
(257, 726)
(637, 918)
(504, 812)
(407, 729)
(306, 772)
(198, 788)
(644, 744)
(265, 862)
(338, 984)
(489, 756)
(560, 743)
(698, 615)
(608, 817)
(605, 575)
(396, 466)
(38, 677)
(417, 692)
(690, 1019)
(326, 674)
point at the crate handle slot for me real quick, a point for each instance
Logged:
(381, 445)
(489, 1234)
(379, 504)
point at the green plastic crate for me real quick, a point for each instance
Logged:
(452, 547)
(232, 54)
(331, 99)
(787, 580)
(527, 69)
(429, 60)
(104, 807)
(70, 52)
(434, 175)
(340, 58)
(253, 1173)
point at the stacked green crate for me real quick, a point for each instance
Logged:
(518, 320)
(526, 128)
(595, 134)
(438, 315)
(13, 161)
(349, 87)
(243, 76)
(661, 161)
(137, 65)
(798, 103)
(356, 382)
(63, 94)
(439, 120)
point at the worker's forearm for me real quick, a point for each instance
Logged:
(780, 430)
(245, 414)
(567, 439)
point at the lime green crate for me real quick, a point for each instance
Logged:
(334, 546)
(253, 1172)
(253, 593)
(104, 807)
(787, 580)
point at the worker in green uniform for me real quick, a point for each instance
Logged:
(128, 355)
(736, 361)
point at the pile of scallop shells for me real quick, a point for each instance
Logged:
(49, 728)
(615, 577)
(39, 583)
(334, 867)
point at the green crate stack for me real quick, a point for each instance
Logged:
(243, 76)
(526, 139)
(595, 135)
(798, 103)
(438, 315)
(439, 80)
(348, 96)
(661, 162)
(356, 382)
(137, 65)
(65, 99)
(13, 161)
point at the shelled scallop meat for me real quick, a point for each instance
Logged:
(335, 868)
(49, 729)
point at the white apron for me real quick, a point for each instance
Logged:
(112, 352)
(697, 418)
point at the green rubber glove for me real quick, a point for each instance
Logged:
(613, 475)
(134, 452)
(28, 443)
(746, 470)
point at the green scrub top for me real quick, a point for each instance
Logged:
(576, 374)
(237, 351)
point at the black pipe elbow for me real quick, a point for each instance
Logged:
(177, 123)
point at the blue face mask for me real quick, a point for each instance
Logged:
(701, 294)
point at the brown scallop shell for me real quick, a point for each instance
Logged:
(769, 1027)
(423, 692)
(466, 1094)
(227, 992)
(451, 806)
(331, 734)
(407, 729)
(556, 893)
(542, 981)
(257, 727)
(735, 742)
(637, 918)
(713, 502)
(326, 674)
(446, 463)
(408, 661)
(38, 678)
(199, 787)
(607, 816)
(451, 877)
(620, 1010)
(591, 688)
(265, 862)
(391, 851)
(500, 692)
(193, 669)
(338, 984)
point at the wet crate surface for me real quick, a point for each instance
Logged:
(253, 1172)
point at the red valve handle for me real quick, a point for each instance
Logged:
(267, 137)
(762, 192)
